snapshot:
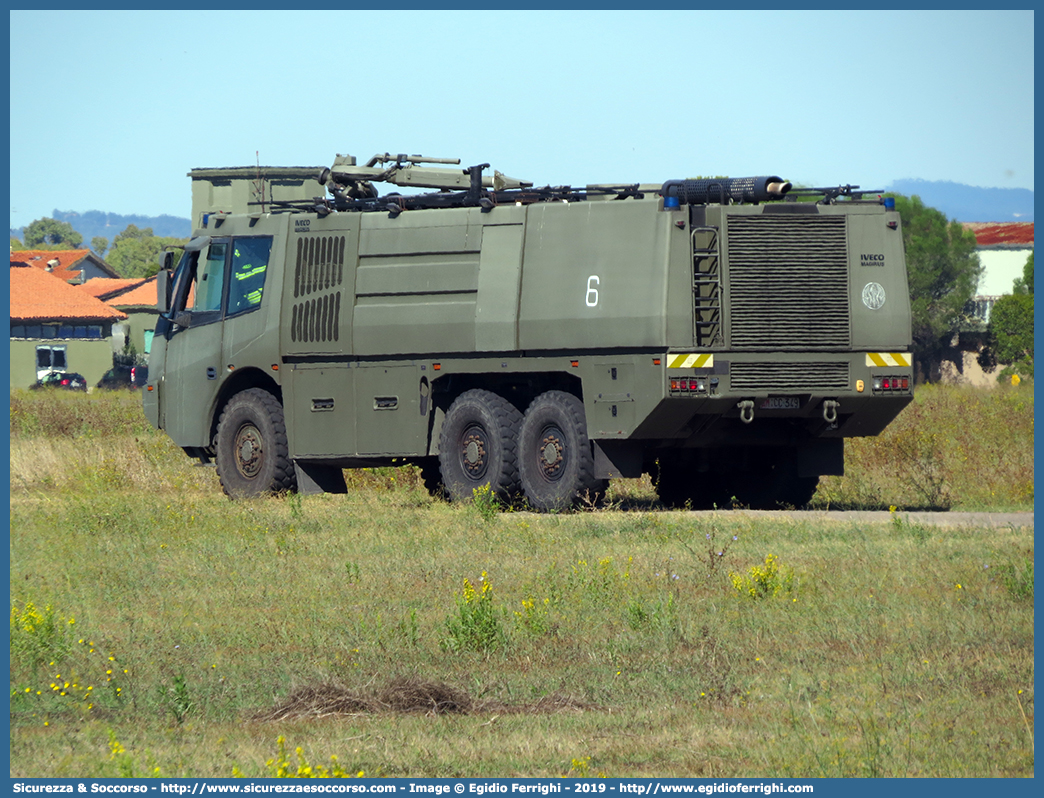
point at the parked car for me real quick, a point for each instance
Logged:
(69, 380)
(124, 377)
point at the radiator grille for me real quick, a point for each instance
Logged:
(789, 376)
(788, 282)
(317, 284)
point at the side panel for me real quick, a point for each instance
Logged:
(319, 402)
(595, 275)
(417, 282)
(880, 295)
(499, 282)
(319, 284)
(391, 409)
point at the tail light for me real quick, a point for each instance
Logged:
(891, 383)
(688, 385)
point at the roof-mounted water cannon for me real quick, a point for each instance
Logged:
(723, 190)
(346, 179)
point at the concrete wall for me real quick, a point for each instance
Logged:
(90, 358)
(1000, 268)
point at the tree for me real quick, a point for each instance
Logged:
(51, 233)
(1009, 336)
(135, 251)
(99, 244)
(943, 271)
(1024, 284)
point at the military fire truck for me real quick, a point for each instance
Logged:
(724, 335)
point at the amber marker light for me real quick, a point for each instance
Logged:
(859, 386)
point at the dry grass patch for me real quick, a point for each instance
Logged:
(407, 694)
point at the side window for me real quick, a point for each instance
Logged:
(247, 281)
(183, 290)
(50, 357)
(205, 293)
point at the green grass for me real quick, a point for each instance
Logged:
(608, 642)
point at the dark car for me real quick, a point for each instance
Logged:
(69, 380)
(124, 377)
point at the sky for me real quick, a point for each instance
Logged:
(111, 109)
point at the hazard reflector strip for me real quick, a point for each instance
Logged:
(690, 361)
(888, 359)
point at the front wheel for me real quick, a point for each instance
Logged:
(252, 454)
(477, 446)
(556, 462)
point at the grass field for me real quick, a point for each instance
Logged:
(159, 629)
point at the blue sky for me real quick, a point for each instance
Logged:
(110, 110)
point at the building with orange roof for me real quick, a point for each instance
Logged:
(56, 326)
(1003, 249)
(105, 288)
(75, 266)
(140, 305)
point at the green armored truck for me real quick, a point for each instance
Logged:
(724, 335)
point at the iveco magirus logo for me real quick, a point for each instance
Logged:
(873, 295)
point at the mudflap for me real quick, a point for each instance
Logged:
(315, 477)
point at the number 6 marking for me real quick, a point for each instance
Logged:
(592, 292)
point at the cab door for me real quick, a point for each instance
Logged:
(192, 362)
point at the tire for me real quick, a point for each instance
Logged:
(252, 454)
(478, 446)
(556, 463)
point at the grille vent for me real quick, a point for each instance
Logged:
(788, 282)
(317, 284)
(789, 376)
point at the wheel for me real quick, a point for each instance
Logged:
(478, 446)
(556, 463)
(252, 454)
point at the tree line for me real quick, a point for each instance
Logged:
(132, 253)
(942, 265)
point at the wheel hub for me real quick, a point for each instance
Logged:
(551, 458)
(473, 453)
(250, 453)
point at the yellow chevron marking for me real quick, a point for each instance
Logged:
(888, 359)
(690, 361)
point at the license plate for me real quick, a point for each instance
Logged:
(781, 403)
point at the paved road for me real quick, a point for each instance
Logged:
(865, 516)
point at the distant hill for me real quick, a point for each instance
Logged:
(964, 203)
(109, 225)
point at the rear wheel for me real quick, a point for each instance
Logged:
(556, 463)
(252, 454)
(478, 446)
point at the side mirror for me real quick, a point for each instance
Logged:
(163, 281)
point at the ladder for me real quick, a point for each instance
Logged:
(706, 285)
